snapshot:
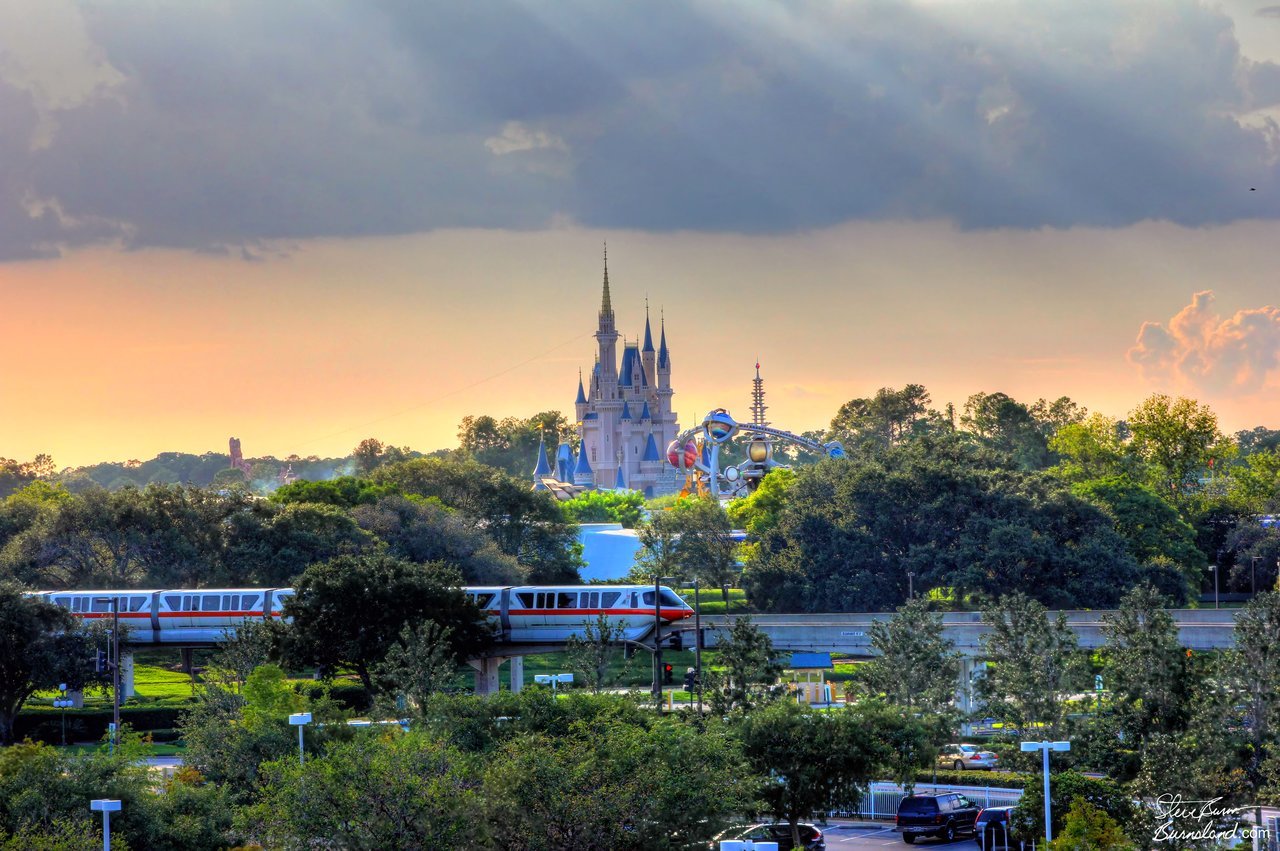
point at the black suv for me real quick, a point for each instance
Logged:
(944, 816)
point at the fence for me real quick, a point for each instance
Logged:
(881, 799)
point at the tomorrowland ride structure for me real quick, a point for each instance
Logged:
(697, 452)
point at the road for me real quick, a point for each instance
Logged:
(848, 836)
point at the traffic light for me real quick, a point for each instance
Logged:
(675, 642)
(666, 673)
(690, 680)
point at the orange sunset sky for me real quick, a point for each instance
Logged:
(358, 233)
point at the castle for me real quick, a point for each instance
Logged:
(624, 412)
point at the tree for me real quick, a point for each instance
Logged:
(1146, 666)
(759, 511)
(1009, 427)
(745, 672)
(1089, 828)
(389, 594)
(1255, 482)
(618, 785)
(690, 540)
(953, 513)
(271, 544)
(917, 666)
(418, 665)
(371, 454)
(886, 419)
(424, 530)
(1092, 449)
(15, 475)
(813, 761)
(1035, 665)
(1106, 795)
(41, 645)
(371, 792)
(526, 524)
(625, 507)
(592, 653)
(342, 492)
(1177, 439)
(1154, 532)
(1254, 668)
(510, 444)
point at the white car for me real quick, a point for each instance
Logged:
(961, 757)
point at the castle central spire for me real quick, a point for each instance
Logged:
(606, 304)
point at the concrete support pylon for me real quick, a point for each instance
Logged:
(486, 674)
(966, 698)
(517, 673)
(126, 676)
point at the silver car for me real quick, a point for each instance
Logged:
(962, 757)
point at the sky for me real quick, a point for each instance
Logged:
(307, 224)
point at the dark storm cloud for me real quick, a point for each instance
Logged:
(239, 123)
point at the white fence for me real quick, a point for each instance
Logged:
(881, 799)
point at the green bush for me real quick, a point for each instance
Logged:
(45, 724)
(995, 779)
(347, 694)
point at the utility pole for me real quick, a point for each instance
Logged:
(114, 662)
(697, 641)
(657, 642)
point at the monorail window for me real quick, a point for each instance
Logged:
(647, 598)
(101, 604)
(211, 602)
(190, 604)
(249, 601)
(671, 598)
(567, 600)
(173, 601)
(483, 600)
(136, 604)
(593, 600)
(75, 604)
(609, 598)
(230, 602)
(62, 601)
(526, 599)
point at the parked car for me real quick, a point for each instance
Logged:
(960, 757)
(945, 816)
(991, 828)
(779, 832)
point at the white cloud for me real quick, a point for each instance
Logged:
(517, 137)
(1200, 349)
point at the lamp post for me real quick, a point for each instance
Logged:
(1213, 568)
(300, 720)
(62, 703)
(911, 584)
(697, 641)
(115, 666)
(657, 639)
(1044, 748)
(106, 806)
(1253, 574)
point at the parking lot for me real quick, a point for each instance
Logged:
(848, 836)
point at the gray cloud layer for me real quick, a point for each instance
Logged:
(208, 126)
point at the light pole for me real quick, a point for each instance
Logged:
(697, 641)
(62, 703)
(300, 720)
(115, 666)
(106, 806)
(657, 639)
(1044, 748)
(1253, 574)
(911, 584)
(1213, 568)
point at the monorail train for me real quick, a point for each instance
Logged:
(521, 614)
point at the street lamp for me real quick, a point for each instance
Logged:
(657, 638)
(62, 703)
(300, 720)
(697, 639)
(115, 665)
(911, 584)
(106, 806)
(1045, 747)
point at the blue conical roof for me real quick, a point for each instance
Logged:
(651, 450)
(620, 483)
(648, 334)
(582, 397)
(626, 411)
(662, 347)
(543, 467)
(582, 472)
(644, 412)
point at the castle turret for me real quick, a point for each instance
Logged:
(647, 356)
(543, 467)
